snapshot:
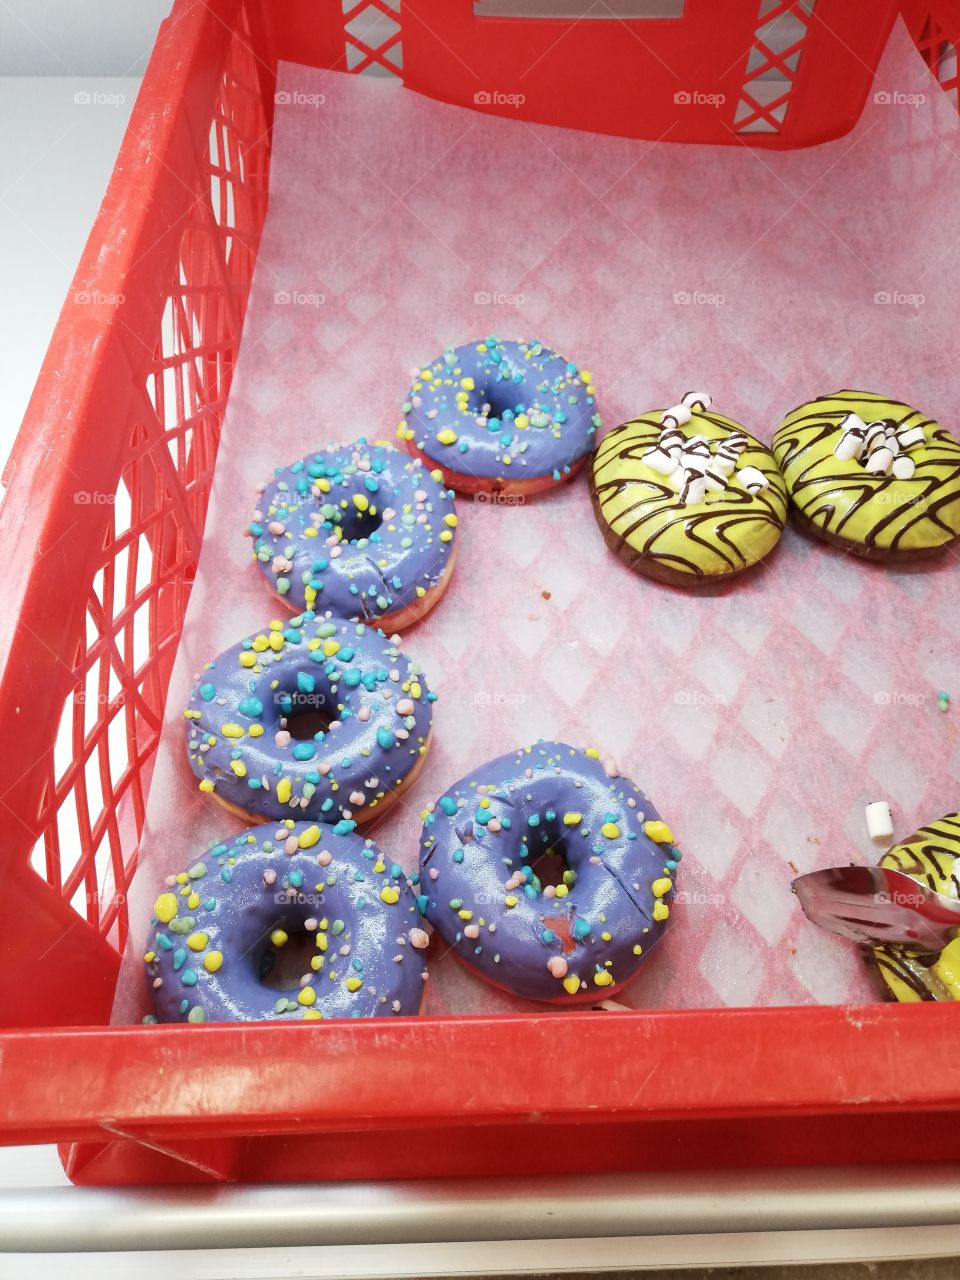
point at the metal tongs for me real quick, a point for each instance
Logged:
(878, 906)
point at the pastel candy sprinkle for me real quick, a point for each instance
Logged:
(659, 832)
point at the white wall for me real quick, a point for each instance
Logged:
(78, 37)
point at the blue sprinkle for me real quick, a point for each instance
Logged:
(210, 904)
(357, 964)
(344, 827)
(351, 678)
(359, 877)
(484, 816)
(304, 751)
(327, 805)
(250, 707)
(458, 855)
(385, 738)
(581, 928)
(448, 805)
(533, 820)
(306, 683)
(179, 958)
(506, 823)
(421, 902)
(163, 942)
(548, 936)
(226, 875)
(345, 655)
(296, 879)
(189, 977)
(184, 1006)
(529, 890)
(312, 776)
(431, 697)
(372, 484)
(208, 692)
(396, 870)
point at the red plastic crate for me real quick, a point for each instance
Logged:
(127, 413)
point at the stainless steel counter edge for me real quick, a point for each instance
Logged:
(82, 1219)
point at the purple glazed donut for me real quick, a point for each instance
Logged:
(289, 921)
(514, 417)
(311, 718)
(361, 529)
(548, 873)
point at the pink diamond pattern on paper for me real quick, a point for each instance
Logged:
(749, 713)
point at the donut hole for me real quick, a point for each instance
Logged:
(550, 864)
(281, 968)
(304, 712)
(304, 725)
(354, 525)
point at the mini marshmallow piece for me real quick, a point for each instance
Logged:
(677, 479)
(723, 464)
(880, 461)
(660, 461)
(911, 436)
(753, 479)
(671, 440)
(879, 821)
(876, 435)
(700, 400)
(679, 415)
(695, 487)
(903, 467)
(850, 444)
(715, 479)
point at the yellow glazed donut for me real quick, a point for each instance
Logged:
(871, 475)
(687, 496)
(930, 857)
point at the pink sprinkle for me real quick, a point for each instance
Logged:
(171, 881)
(472, 931)
(371, 785)
(310, 925)
(157, 984)
(357, 798)
(269, 877)
(324, 857)
(395, 675)
(557, 966)
(282, 739)
(403, 734)
(421, 519)
(549, 891)
(404, 707)
(335, 724)
(335, 552)
(434, 873)
(323, 767)
(610, 768)
(363, 714)
(388, 513)
(420, 495)
(305, 980)
(493, 825)
(395, 640)
(595, 860)
(631, 802)
(276, 527)
(292, 845)
(419, 938)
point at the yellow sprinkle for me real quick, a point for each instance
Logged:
(260, 644)
(310, 532)
(255, 731)
(658, 831)
(468, 384)
(521, 422)
(307, 996)
(232, 731)
(447, 436)
(592, 753)
(446, 536)
(309, 838)
(276, 641)
(421, 592)
(322, 484)
(312, 1014)
(561, 890)
(193, 901)
(150, 957)
(426, 375)
(572, 819)
(165, 907)
(197, 941)
(610, 830)
(389, 895)
(415, 690)
(182, 878)
(605, 936)
(330, 647)
(278, 937)
(322, 942)
(247, 659)
(660, 910)
(239, 768)
(404, 433)
(205, 785)
(464, 914)
(585, 377)
(212, 961)
(379, 867)
(354, 984)
(275, 624)
(316, 963)
(360, 501)
(603, 979)
(661, 886)
(637, 949)
(283, 790)
(436, 474)
(571, 984)
(510, 900)
(507, 459)
(451, 520)
(484, 802)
